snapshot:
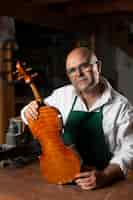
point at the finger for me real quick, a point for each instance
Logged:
(87, 185)
(83, 180)
(33, 105)
(32, 110)
(88, 181)
(82, 175)
(33, 114)
(29, 115)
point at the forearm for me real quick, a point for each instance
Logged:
(113, 172)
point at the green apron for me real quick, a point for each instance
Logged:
(84, 130)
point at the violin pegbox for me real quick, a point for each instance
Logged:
(23, 73)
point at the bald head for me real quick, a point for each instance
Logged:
(82, 69)
(80, 54)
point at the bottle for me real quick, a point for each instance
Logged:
(14, 133)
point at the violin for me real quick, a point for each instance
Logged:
(58, 163)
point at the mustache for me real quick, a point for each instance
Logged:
(82, 79)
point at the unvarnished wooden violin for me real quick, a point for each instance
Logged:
(58, 163)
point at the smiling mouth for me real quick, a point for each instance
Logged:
(82, 80)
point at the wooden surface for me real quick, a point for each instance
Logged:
(27, 183)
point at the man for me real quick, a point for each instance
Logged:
(98, 120)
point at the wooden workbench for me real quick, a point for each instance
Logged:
(27, 184)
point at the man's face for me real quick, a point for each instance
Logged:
(83, 72)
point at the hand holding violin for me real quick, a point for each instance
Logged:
(31, 112)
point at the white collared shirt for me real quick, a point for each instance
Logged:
(117, 119)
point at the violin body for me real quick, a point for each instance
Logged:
(58, 163)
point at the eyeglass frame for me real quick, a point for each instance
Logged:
(82, 67)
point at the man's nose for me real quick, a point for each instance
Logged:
(79, 71)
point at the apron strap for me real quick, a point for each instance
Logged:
(75, 99)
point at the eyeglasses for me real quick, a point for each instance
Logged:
(84, 67)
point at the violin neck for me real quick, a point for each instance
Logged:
(36, 93)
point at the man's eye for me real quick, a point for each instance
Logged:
(86, 65)
(71, 70)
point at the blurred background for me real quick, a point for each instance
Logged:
(42, 32)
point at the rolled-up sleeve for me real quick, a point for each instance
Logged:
(51, 100)
(22, 115)
(123, 153)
